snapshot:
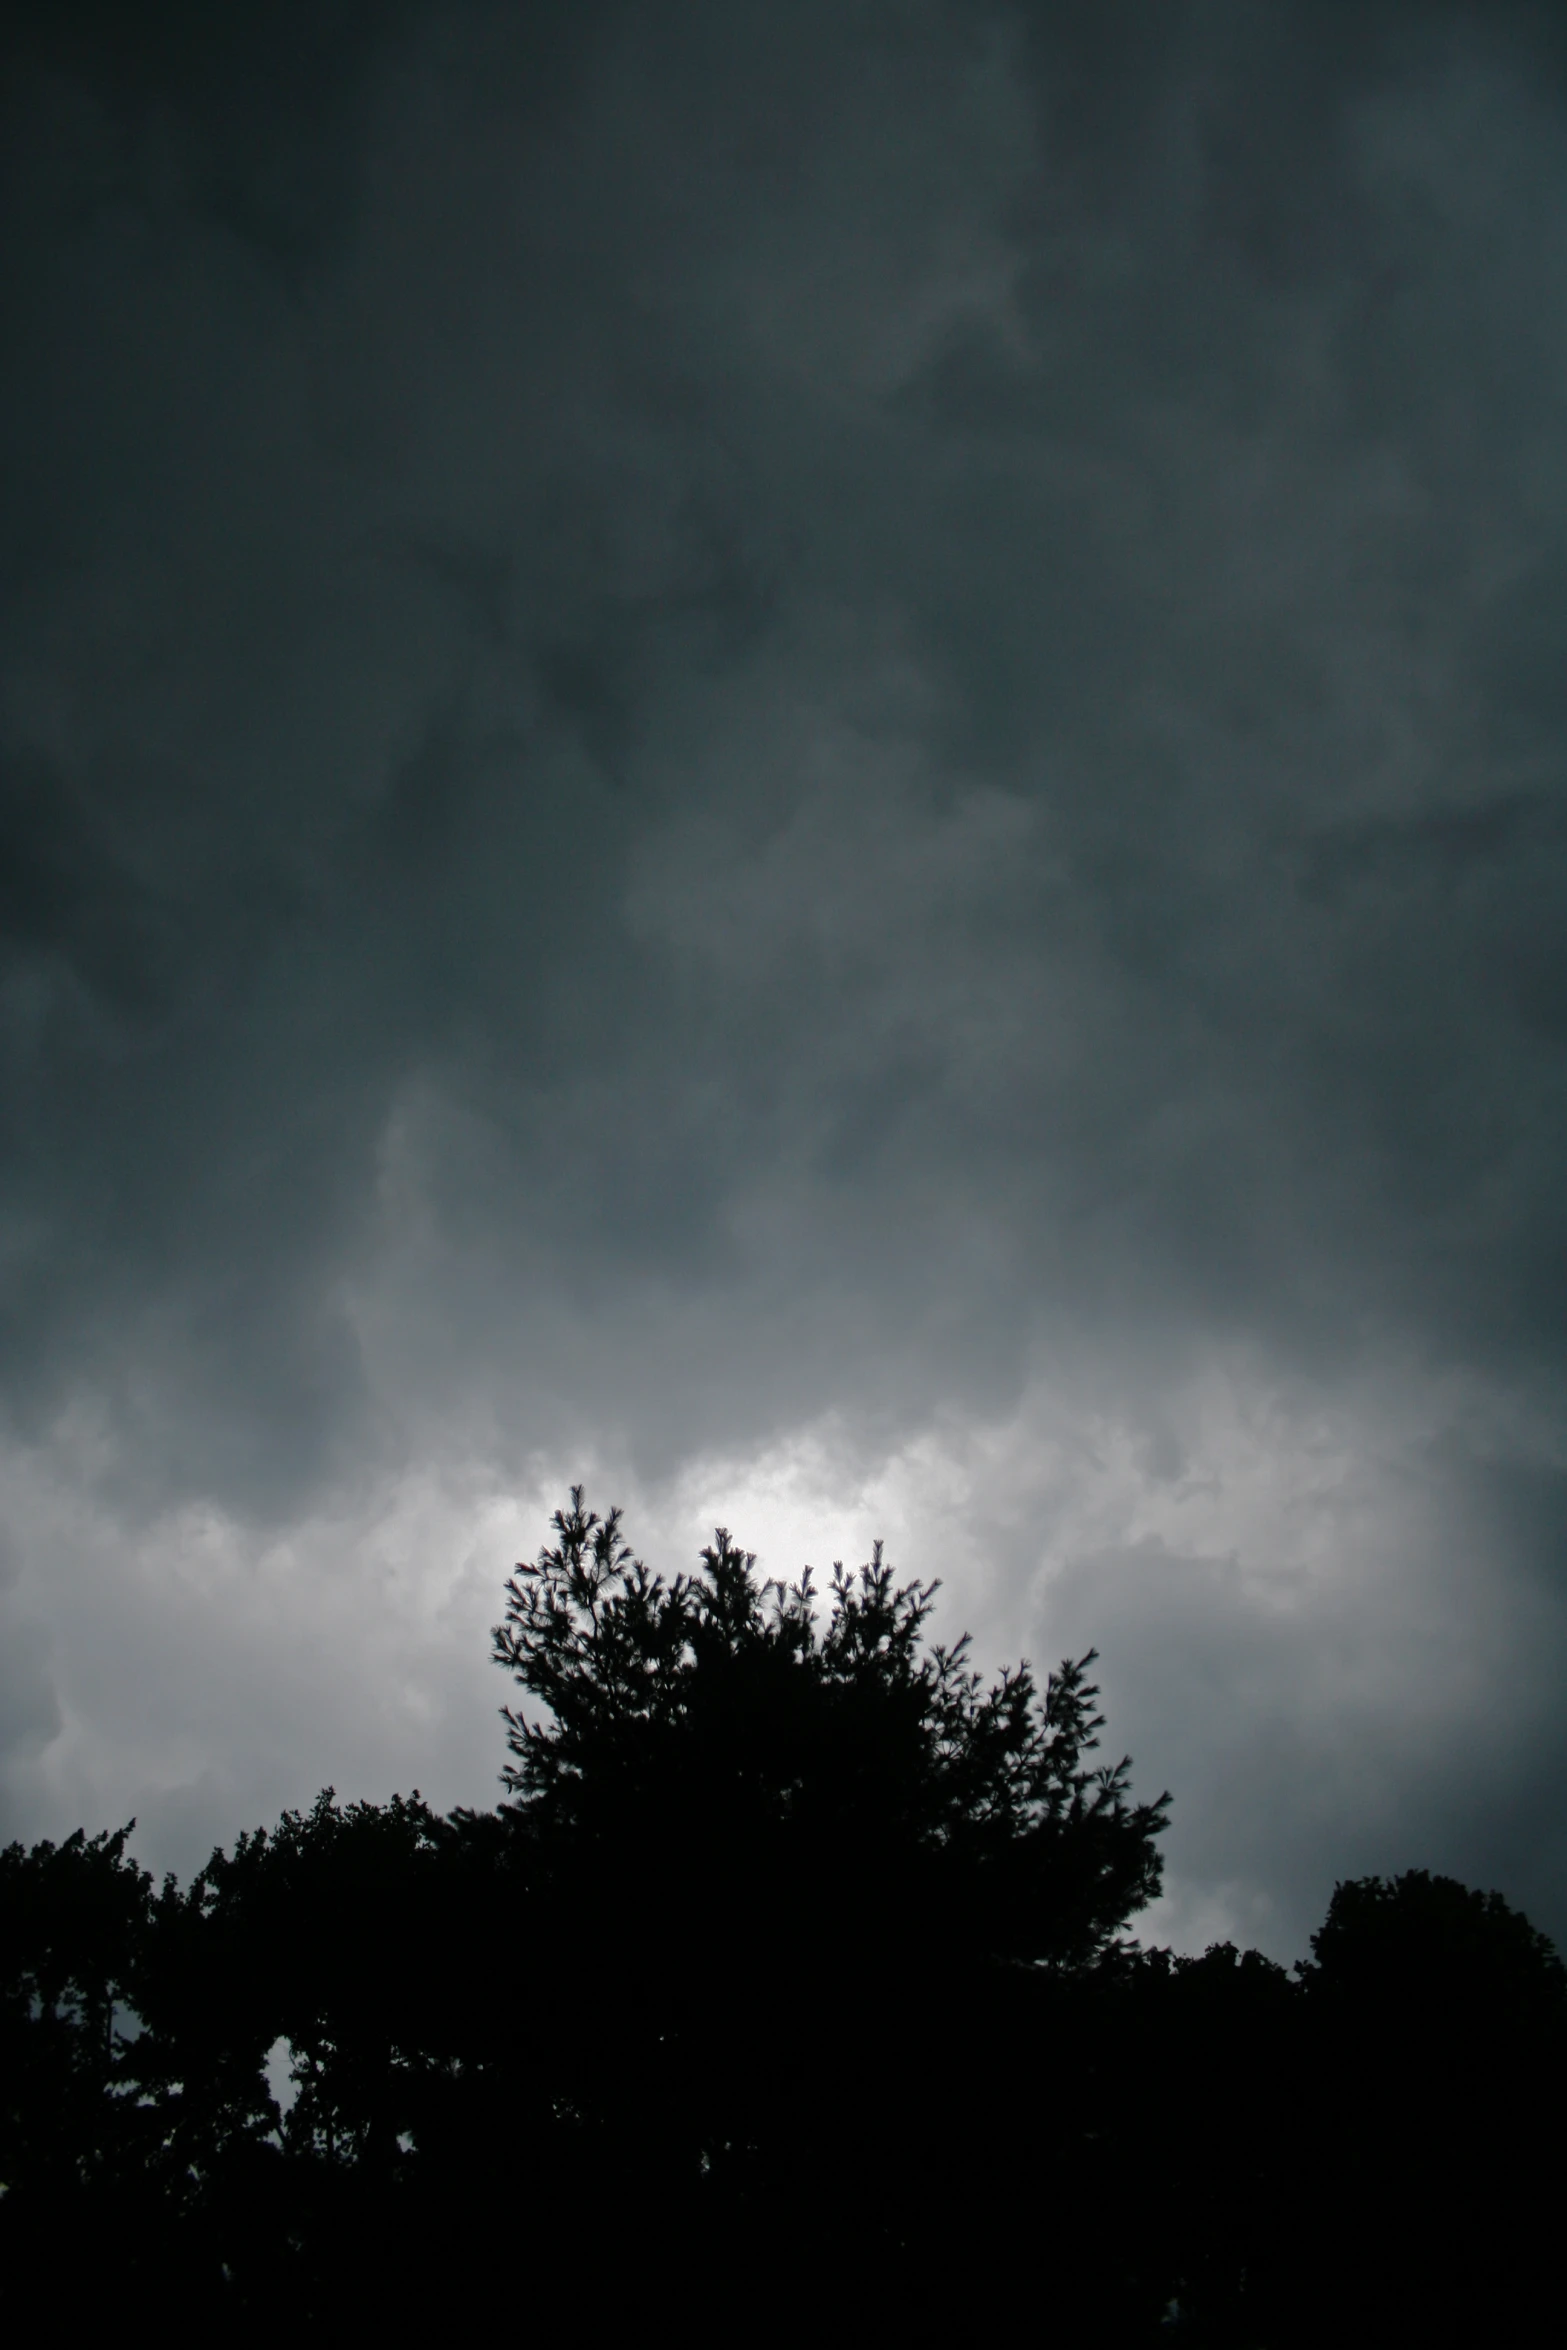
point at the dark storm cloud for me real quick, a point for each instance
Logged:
(1338, 1723)
(711, 716)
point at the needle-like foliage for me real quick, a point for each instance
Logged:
(739, 1717)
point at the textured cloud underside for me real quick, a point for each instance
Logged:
(806, 755)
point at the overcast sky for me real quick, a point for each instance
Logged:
(811, 759)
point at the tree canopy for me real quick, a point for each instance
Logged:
(719, 1726)
(791, 1982)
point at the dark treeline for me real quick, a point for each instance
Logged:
(790, 1985)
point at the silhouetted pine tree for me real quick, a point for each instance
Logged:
(716, 1729)
(789, 1849)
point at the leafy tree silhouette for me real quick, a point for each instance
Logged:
(1416, 1950)
(1434, 2030)
(73, 1918)
(789, 1984)
(79, 2147)
(776, 1840)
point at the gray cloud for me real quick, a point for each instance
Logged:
(725, 723)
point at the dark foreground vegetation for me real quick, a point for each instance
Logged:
(790, 1987)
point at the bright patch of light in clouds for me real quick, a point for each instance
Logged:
(1290, 1631)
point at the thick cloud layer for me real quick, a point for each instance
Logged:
(812, 755)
